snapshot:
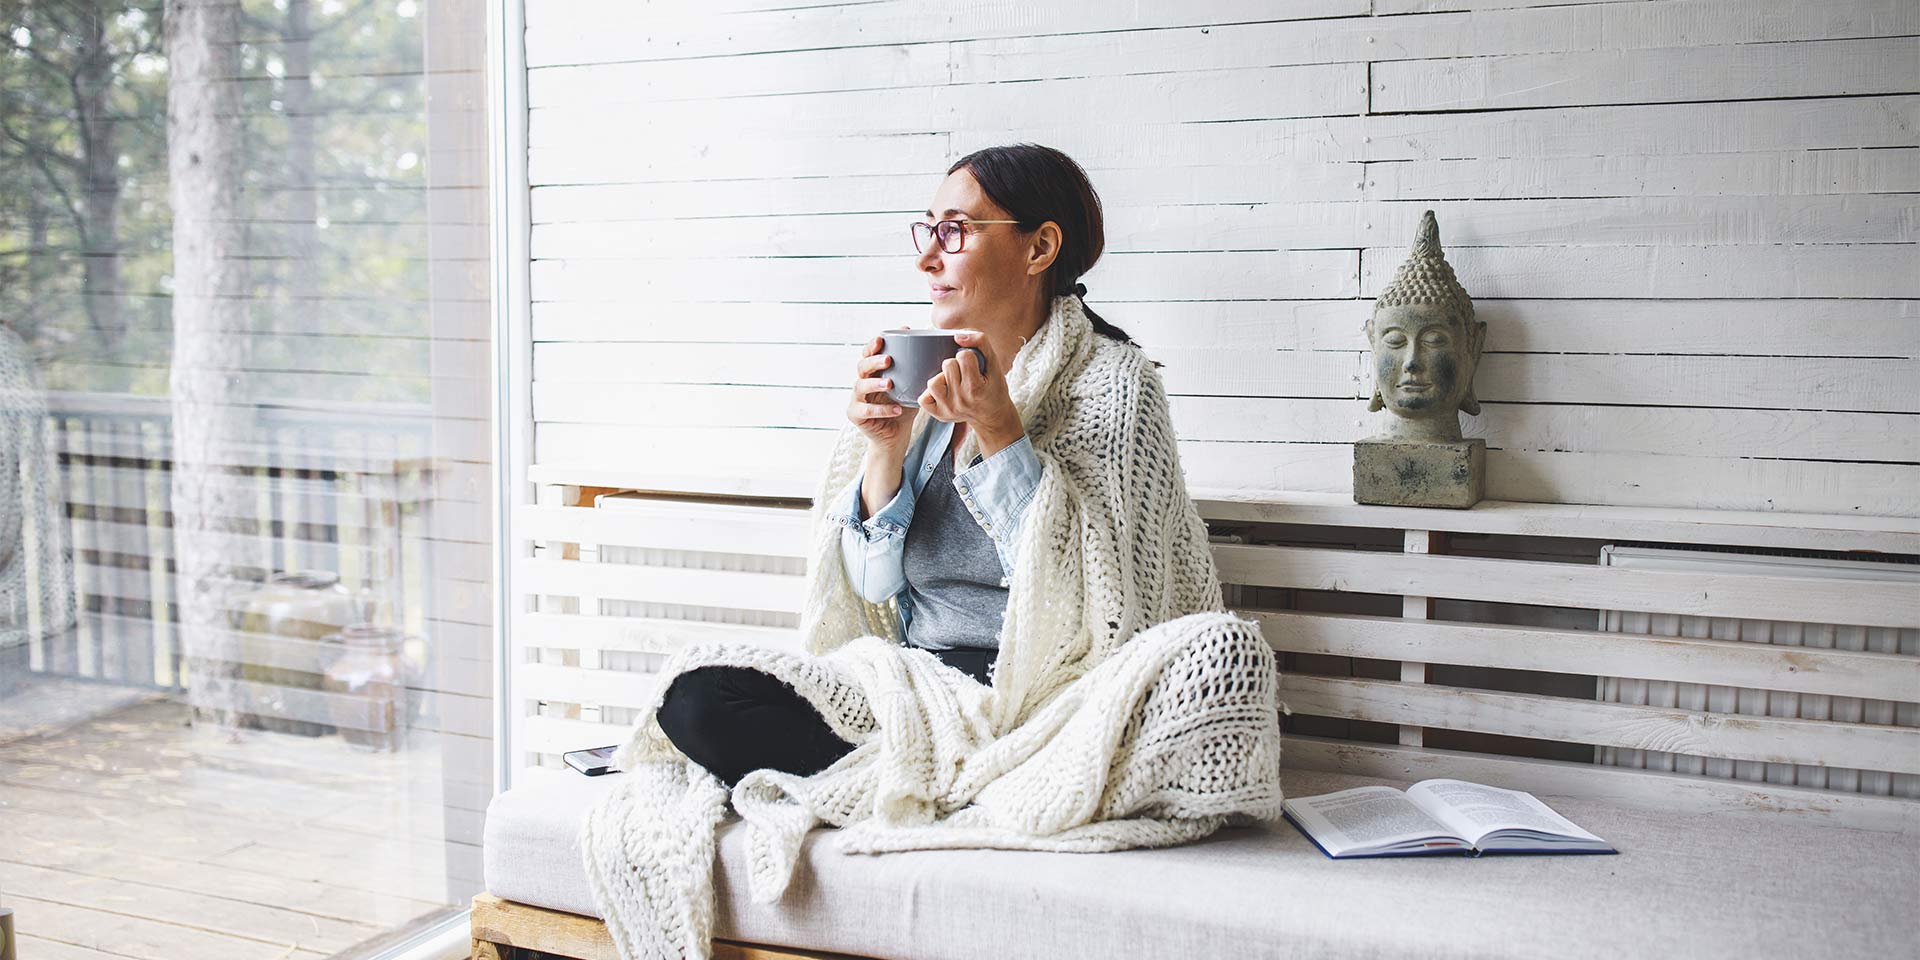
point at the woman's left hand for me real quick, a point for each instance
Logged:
(961, 393)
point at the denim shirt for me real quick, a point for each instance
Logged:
(996, 491)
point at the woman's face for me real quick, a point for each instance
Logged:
(995, 276)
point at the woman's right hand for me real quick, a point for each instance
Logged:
(885, 422)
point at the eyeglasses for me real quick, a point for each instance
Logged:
(952, 233)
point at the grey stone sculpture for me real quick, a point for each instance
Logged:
(1426, 347)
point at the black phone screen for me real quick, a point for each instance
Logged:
(592, 762)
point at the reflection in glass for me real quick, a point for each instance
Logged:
(242, 311)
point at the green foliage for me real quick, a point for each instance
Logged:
(334, 148)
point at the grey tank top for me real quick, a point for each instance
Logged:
(952, 571)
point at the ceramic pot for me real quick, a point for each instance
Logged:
(286, 624)
(369, 683)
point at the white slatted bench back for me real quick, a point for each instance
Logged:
(575, 700)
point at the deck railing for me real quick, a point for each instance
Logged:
(339, 488)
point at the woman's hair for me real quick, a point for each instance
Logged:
(1035, 184)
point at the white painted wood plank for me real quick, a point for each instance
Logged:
(584, 153)
(781, 529)
(1308, 90)
(559, 12)
(1828, 672)
(643, 634)
(1663, 792)
(1566, 27)
(556, 735)
(1875, 384)
(1289, 273)
(1872, 489)
(1499, 27)
(239, 549)
(1747, 71)
(717, 155)
(1807, 327)
(1670, 431)
(126, 488)
(1866, 602)
(272, 386)
(731, 589)
(1300, 419)
(1680, 271)
(1737, 736)
(1769, 178)
(838, 194)
(582, 685)
(1226, 45)
(1783, 173)
(1682, 432)
(625, 32)
(1211, 370)
(1667, 129)
(787, 463)
(1383, 7)
(1133, 228)
(1827, 270)
(670, 525)
(1778, 383)
(1839, 532)
(715, 78)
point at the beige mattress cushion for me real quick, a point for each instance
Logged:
(1683, 885)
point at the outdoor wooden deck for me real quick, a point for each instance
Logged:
(134, 834)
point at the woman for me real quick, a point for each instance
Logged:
(1012, 625)
(1010, 230)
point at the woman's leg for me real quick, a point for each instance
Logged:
(734, 719)
(973, 661)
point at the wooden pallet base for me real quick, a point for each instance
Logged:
(505, 930)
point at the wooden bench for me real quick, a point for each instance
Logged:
(505, 930)
(1415, 643)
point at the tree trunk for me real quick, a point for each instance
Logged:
(210, 418)
(300, 266)
(100, 188)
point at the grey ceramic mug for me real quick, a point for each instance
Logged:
(917, 357)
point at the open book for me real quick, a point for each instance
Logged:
(1436, 816)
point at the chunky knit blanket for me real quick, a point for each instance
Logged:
(1127, 708)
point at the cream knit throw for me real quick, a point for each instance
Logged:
(1127, 707)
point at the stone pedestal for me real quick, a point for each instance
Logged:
(1403, 473)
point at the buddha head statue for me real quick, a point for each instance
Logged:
(1426, 345)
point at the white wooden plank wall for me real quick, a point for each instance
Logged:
(625, 580)
(458, 530)
(1690, 225)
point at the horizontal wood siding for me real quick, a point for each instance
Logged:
(1689, 224)
(624, 581)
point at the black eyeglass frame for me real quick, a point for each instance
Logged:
(921, 228)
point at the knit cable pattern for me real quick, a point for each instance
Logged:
(1127, 708)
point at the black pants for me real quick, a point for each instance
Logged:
(734, 719)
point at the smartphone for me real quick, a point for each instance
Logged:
(593, 762)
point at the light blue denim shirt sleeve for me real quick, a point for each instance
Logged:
(997, 491)
(873, 547)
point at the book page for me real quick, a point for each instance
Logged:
(1364, 818)
(1476, 810)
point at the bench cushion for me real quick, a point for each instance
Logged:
(1683, 885)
